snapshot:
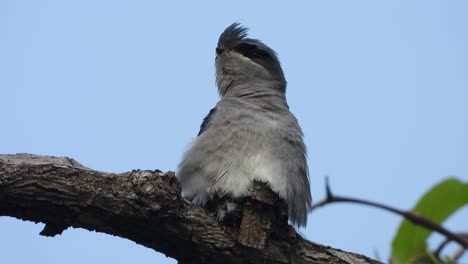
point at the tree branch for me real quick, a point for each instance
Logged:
(414, 218)
(143, 206)
(458, 253)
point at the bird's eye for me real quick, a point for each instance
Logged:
(255, 53)
(251, 50)
(245, 48)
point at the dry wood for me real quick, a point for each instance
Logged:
(147, 208)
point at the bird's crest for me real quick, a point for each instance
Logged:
(232, 34)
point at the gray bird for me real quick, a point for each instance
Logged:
(250, 134)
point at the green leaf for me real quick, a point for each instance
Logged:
(437, 204)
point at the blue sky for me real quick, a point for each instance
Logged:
(379, 87)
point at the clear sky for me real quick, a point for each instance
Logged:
(379, 87)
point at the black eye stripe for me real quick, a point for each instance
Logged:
(256, 53)
(245, 48)
(250, 50)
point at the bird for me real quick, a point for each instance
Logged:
(250, 135)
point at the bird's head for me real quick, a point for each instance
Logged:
(244, 62)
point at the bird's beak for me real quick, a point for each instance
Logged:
(219, 51)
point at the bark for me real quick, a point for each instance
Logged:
(147, 208)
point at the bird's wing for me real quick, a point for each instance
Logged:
(206, 121)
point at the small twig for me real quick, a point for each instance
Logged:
(457, 255)
(441, 247)
(414, 218)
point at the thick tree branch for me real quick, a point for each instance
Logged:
(145, 207)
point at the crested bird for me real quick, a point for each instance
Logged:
(250, 135)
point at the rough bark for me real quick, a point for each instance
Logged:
(147, 208)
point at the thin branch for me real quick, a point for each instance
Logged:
(458, 253)
(414, 218)
(441, 247)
